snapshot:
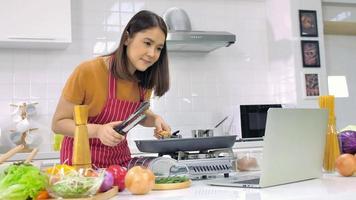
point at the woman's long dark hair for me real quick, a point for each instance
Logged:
(156, 77)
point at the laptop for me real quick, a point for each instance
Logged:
(293, 149)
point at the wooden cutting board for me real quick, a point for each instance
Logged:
(172, 186)
(100, 196)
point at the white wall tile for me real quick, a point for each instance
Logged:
(21, 91)
(53, 75)
(6, 72)
(6, 91)
(5, 108)
(127, 6)
(54, 91)
(52, 105)
(22, 74)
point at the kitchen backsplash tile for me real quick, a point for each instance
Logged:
(54, 90)
(37, 90)
(21, 91)
(6, 75)
(38, 75)
(6, 92)
(5, 108)
(204, 87)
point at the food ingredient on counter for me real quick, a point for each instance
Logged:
(75, 184)
(346, 164)
(171, 179)
(172, 186)
(139, 180)
(119, 174)
(59, 169)
(246, 163)
(21, 181)
(348, 141)
(43, 195)
(108, 182)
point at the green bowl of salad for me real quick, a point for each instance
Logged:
(75, 184)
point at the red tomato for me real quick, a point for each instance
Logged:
(119, 174)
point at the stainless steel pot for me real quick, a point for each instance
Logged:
(197, 133)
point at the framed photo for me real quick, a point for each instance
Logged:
(308, 23)
(310, 53)
(311, 85)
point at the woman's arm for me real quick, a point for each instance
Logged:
(63, 123)
(154, 120)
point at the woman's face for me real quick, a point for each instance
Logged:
(144, 48)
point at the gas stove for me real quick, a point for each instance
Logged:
(203, 164)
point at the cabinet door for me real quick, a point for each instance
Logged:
(35, 20)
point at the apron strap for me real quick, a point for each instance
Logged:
(112, 86)
(142, 93)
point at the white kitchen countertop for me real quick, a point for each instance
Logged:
(39, 156)
(331, 186)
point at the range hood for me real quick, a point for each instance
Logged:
(200, 41)
(181, 38)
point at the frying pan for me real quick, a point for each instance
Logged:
(171, 145)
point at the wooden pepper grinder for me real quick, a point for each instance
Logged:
(81, 149)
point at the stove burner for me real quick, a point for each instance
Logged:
(189, 155)
(207, 162)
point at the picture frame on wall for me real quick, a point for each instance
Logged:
(311, 85)
(310, 53)
(308, 23)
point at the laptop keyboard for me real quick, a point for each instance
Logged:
(249, 181)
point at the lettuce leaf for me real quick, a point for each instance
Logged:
(14, 192)
(21, 181)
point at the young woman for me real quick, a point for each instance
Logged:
(113, 86)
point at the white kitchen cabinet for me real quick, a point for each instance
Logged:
(35, 23)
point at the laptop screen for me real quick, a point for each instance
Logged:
(253, 119)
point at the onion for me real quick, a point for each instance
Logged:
(107, 183)
(345, 164)
(139, 180)
(119, 174)
(348, 141)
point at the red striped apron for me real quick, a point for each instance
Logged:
(103, 156)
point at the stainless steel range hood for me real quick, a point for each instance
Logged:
(181, 38)
(200, 41)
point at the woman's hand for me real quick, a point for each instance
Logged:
(162, 129)
(108, 135)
